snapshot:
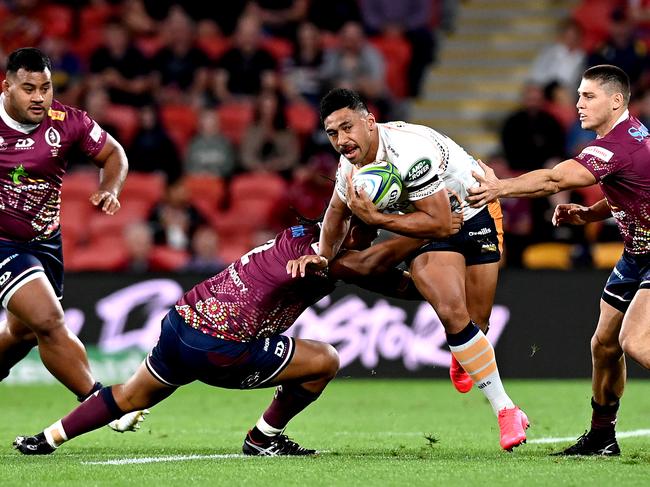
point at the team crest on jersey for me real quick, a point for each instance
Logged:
(53, 139)
(417, 170)
(56, 115)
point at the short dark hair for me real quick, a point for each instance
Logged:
(606, 74)
(29, 59)
(341, 98)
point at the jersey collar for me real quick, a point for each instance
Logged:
(382, 153)
(25, 128)
(624, 116)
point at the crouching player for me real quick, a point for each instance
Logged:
(226, 332)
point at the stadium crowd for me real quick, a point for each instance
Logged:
(216, 105)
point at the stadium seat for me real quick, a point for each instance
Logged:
(165, 258)
(257, 186)
(302, 119)
(100, 224)
(396, 52)
(279, 48)
(548, 255)
(213, 45)
(234, 118)
(125, 119)
(180, 122)
(78, 185)
(149, 45)
(606, 254)
(106, 254)
(57, 19)
(206, 192)
(149, 187)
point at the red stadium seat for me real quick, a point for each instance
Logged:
(279, 48)
(57, 20)
(257, 186)
(206, 192)
(100, 224)
(302, 119)
(143, 186)
(125, 119)
(149, 45)
(180, 122)
(106, 254)
(396, 52)
(165, 258)
(234, 118)
(213, 45)
(79, 185)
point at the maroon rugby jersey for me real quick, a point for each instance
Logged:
(620, 161)
(255, 297)
(33, 160)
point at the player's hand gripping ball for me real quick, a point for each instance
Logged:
(381, 182)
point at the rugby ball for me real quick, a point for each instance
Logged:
(381, 182)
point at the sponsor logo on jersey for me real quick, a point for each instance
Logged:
(599, 152)
(639, 133)
(236, 279)
(392, 149)
(7, 260)
(417, 170)
(4, 278)
(53, 137)
(56, 115)
(24, 143)
(16, 173)
(482, 231)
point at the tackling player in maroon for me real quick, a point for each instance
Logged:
(226, 332)
(619, 161)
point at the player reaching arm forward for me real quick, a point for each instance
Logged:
(619, 161)
(456, 273)
(227, 332)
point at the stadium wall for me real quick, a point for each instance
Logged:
(541, 325)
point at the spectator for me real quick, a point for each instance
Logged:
(182, 67)
(357, 65)
(245, 68)
(411, 19)
(209, 152)
(268, 145)
(622, 49)
(66, 69)
(205, 246)
(152, 150)
(561, 103)
(175, 220)
(119, 67)
(563, 61)
(138, 243)
(302, 77)
(530, 136)
(279, 18)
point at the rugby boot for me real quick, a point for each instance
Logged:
(459, 378)
(33, 445)
(275, 446)
(513, 423)
(590, 444)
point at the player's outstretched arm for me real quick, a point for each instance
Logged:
(335, 227)
(574, 214)
(569, 174)
(114, 167)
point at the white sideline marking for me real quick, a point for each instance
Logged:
(624, 434)
(171, 458)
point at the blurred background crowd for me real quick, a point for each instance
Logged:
(216, 106)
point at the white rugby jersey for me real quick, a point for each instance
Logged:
(427, 161)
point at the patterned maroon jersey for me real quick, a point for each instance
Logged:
(255, 297)
(620, 161)
(33, 159)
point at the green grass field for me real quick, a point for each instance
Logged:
(373, 432)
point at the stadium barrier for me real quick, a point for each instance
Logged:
(541, 326)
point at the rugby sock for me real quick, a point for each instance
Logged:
(603, 419)
(96, 411)
(96, 387)
(288, 401)
(475, 353)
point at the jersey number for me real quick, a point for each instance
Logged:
(245, 259)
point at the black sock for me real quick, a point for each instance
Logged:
(603, 419)
(96, 387)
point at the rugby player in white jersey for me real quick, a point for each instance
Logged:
(457, 274)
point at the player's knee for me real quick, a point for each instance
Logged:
(48, 325)
(604, 349)
(329, 361)
(450, 314)
(635, 349)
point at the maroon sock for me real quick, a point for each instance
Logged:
(603, 418)
(288, 401)
(96, 411)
